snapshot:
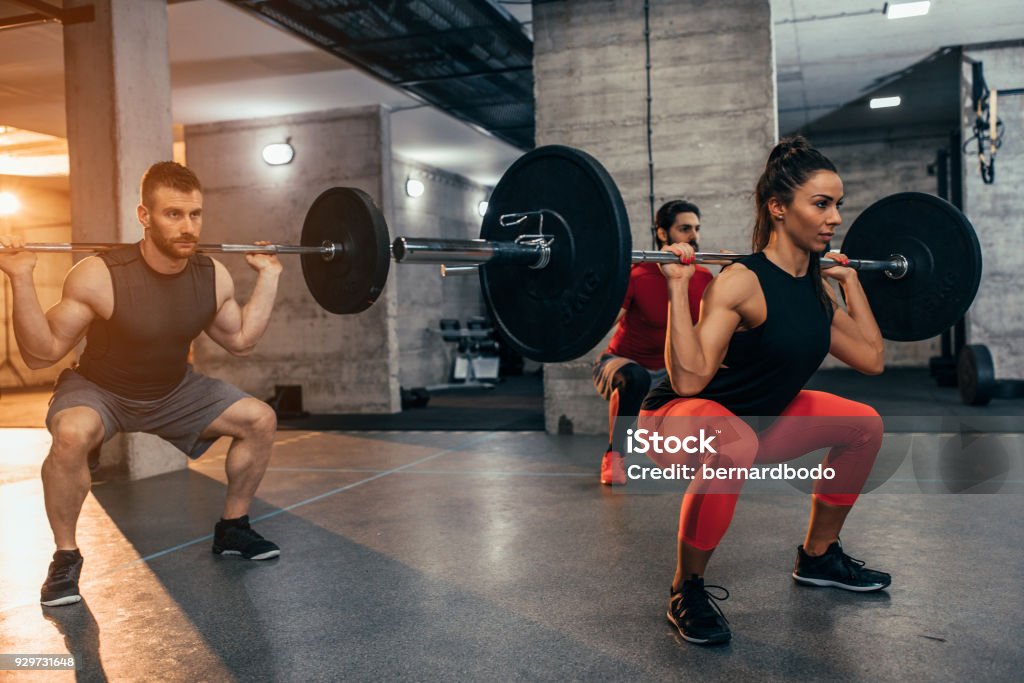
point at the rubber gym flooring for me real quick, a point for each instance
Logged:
(458, 555)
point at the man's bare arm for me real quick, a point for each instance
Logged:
(45, 338)
(238, 328)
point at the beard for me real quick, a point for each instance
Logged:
(171, 248)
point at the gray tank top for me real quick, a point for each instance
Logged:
(141, 352)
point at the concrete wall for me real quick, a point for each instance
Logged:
(873, 166)
(997, 316)
(45, 216)
(343, 363)
(447, 209)
(713, 119)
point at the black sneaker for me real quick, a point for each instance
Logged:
(236, 537)
(696, 617)
(836, 568)
(61, 585)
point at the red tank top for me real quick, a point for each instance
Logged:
(641, 332)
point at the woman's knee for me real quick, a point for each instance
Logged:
(870, 426)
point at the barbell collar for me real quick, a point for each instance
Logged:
(425, 250)
(900, 267)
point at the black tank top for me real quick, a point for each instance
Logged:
(141, 353)
(766, 367)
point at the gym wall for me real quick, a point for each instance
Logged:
(343, 363)
(447, 209)
(997, 317)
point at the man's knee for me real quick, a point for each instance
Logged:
(260, 419)
(75, 432)
(632, 380)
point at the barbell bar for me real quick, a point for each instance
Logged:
(328, 250)
(481, 252)
(475, 252)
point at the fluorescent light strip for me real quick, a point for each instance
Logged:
(883, 102)
(902, 10)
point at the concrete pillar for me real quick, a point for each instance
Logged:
(118, 99)
(344, 364)
(713, 120)
(997, 316)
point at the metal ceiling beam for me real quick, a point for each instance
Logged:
(395, 42)
(45, 13)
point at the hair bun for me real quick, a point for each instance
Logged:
(794, 143)
(788, 148)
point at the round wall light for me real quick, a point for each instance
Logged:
(414, 187)
(279, 153)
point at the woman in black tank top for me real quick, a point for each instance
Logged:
(766, 324)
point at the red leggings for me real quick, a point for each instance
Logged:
(851, 431)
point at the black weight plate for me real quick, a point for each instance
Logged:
(353, 280)
(562, 311)
(945, 263)
(976, 375)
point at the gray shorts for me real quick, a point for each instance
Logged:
(179, 417)
(607, 365)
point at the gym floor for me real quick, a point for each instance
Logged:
(483, 555)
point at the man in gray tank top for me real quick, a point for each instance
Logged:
(139, 308)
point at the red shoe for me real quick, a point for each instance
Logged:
(612, 471)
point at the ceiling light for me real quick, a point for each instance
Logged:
(26, 153)
(413, 187)
(902, 10)
(481, 208)
(41, 166)
(9, 204)
(279, 153)
(883, 102)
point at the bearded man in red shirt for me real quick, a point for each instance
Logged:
(635, 359)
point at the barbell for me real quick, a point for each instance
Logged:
(555, 251)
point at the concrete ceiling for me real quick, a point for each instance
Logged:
(828, 53)
(225, 65)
